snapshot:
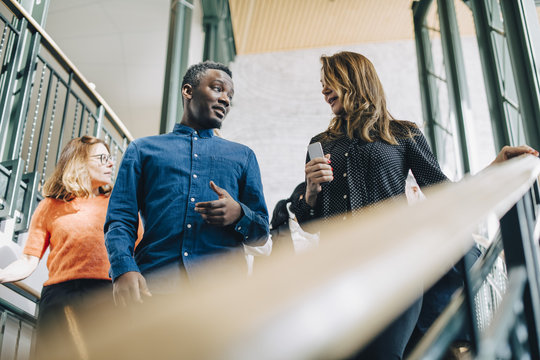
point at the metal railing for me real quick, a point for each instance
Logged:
(18, 326)
(44, 102)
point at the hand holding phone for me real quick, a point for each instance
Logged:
(315, 151)
(316, 174)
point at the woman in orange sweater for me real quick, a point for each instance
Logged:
(69, 221)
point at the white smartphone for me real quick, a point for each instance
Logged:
(315, 151)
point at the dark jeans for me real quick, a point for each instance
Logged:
(407, 330)
(437, 298)
(390, 344)
(59, 326)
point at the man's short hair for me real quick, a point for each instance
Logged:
(195, 72)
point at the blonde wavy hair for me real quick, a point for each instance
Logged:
(354, 79)
(70, 178)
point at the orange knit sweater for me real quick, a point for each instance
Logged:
(74, 232)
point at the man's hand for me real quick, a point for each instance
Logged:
(129, 287)
(509, 152)
(221, 212)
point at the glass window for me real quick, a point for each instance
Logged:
(481, 138)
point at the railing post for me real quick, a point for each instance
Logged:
(29, 201)
(519, 251)
(41, 133)
(99, 122)
(536, 192)
(507, 323)
(11, 76)
(13, 187)
(64, 113)
(83, 111)
(468, 290)
(21, 100)
(23, 84)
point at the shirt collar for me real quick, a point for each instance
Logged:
(186, 130)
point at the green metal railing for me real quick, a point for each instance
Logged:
(44, 102)
(506, 34)
(499, 306)
(18, 326)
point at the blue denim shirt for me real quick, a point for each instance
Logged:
(163, 177)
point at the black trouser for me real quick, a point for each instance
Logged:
(61, 308)
(439, 296)
(391, 343)
(407, 330)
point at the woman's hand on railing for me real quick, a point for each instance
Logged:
(508, 152)
(19, 269)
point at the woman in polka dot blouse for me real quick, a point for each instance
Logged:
(368, 155)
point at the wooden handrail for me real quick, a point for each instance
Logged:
(326, 303)
(57, 53)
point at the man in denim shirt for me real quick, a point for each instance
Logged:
(198, 194)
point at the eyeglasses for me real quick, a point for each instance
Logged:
(103, 158)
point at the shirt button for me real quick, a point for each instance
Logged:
(195, 176)
(346, 154)
(344, 196)
(189, 226)
(194, 138)
(239, 228)
(195, 155)
(192, 199)
(247, 237)
(186, 253)
(344, 174)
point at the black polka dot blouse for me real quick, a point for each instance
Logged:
(366, 173)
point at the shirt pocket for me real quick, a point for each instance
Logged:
(166, 176)
(226, 173)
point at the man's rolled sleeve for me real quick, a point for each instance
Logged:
(253, 225)
(122, 221)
